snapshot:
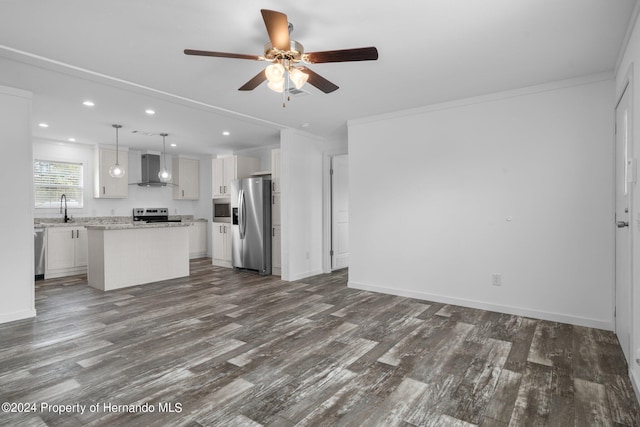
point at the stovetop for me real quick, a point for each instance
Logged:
(152, 215)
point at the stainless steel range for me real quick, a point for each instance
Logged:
(152, 215)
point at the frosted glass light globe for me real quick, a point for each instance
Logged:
(164, 175)
(274, 72)
(116, 171)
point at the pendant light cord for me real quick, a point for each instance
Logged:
(117, 158)
(117, 145)
(164, 151)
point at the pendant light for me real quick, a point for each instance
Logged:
(164, 174)
(116, 171)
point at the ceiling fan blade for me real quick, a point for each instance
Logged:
(278, 28)
(344, 55)
(254, 82)
(220, 54)
(318, 81)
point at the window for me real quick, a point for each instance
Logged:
(53, 179)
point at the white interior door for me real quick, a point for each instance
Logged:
(623, 238)
(340, 212)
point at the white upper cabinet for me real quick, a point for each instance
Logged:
(104, 185)
(226, 169)
(186, 179)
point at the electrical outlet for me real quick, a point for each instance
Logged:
(496, 279)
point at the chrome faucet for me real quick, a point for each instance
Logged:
(66, 218)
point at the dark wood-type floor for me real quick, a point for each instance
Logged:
(225, 348)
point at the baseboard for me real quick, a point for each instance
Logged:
(634, 374)
(66, 272)
(301, 276)
(517, 311)
(17, 315)
(220, 263)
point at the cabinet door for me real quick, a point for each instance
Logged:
(276, 248)
(60, 248)
(198, 238)
(82, 247)
(218, 241)
(218, 177)
(229, 174)
(189, 178)
(201, 228)
(107, 186)
(275, 170)
(227, 242)
(275, 209)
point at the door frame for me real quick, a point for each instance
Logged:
(327, 157)
(627, 88)
(333, 219)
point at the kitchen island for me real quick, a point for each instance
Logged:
(124, 255)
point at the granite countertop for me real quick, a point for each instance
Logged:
(115, 221)
(132, 226)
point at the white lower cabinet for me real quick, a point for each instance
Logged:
(197, 239)
(67, 251)
(221, 244)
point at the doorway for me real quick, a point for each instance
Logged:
(339, 212)
(623, 204)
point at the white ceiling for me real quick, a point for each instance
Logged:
(127, 56)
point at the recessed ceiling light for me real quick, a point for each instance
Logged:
(43, 125)
(88, 103)
(226, 133)
(149, 112)
(304, 125)
(71, 140)
(173, 144)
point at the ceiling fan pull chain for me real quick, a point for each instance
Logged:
(289, 83)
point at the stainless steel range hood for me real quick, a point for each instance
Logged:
(150, 169)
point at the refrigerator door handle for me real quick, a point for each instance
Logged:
(241, 217)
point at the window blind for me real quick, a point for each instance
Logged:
(53, 179)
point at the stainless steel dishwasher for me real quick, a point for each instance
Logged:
(39, 240)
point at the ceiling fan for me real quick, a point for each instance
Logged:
(287, 57)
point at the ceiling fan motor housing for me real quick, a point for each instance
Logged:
(295, 52)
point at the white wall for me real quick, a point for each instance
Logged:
(17, 299)
(517, 183)
(629, 70)
(301, 204)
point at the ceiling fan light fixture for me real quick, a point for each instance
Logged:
(276, 86)
(275, 72)
(298, 77)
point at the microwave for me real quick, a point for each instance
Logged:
(221, 211)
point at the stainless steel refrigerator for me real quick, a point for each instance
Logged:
(251, 224)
